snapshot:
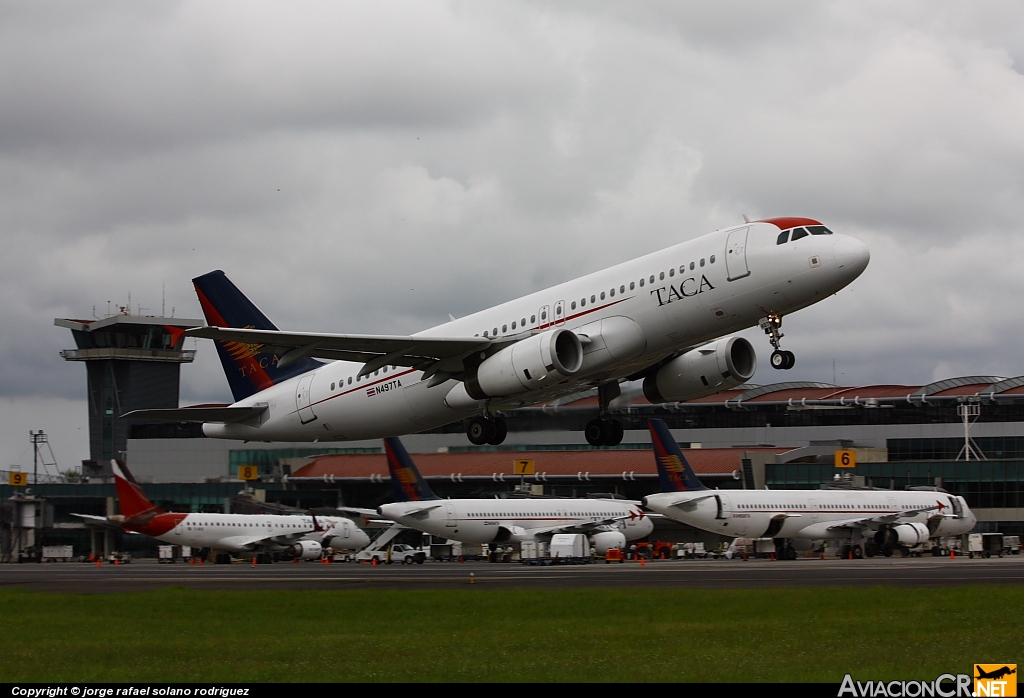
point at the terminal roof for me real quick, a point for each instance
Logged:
(705, 461)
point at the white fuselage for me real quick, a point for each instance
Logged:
(517, 520)
(663, 302)
(812, 514)
(238, 533)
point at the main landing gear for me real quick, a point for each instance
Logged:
(486, 429)
(772, 326)
(605, 431)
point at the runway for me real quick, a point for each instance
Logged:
(142, 575)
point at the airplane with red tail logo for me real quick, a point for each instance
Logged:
(242, 535)
(664, 318)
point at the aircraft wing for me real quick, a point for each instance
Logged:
(689, 503)
(350, 512)
(583, 526)
(257, 542)
(422, 511)
(875, 521)
(373, 350)
(229, 415)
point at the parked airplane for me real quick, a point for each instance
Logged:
(245, 535)
(652, 318)
(610, 523)
(880, 520)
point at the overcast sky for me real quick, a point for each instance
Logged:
(371, 167)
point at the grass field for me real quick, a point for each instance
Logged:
(486, 635)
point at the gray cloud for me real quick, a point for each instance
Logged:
(371, 168)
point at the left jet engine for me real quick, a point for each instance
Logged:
(530, 364)
(306, 550)
(606, 540)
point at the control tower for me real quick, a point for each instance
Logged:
(133, 363)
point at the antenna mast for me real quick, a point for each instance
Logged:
(969, 413)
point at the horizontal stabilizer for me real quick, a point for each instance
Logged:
(228, 415)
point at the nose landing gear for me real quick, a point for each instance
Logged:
(772, 326)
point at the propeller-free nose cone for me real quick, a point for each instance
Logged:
(852, 255)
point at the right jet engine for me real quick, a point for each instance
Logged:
(706, 370)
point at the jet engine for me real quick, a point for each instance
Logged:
(530, 364)
(911, 534)
(605, 541)
(306, 550)
(706, 370)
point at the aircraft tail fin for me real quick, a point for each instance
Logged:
(131, 500)
(406, 482)
(674, 470)
(248, 369)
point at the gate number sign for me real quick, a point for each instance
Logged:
(846, 459)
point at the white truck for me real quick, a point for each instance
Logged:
(397, 553)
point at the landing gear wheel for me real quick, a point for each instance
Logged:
(783, 360)
(778, 360)
(500, 431)
(596, 432)
(844, 552)
(615, 433)
(480, 430)
(870, 549)
(790, 552)
(604, 432)
(858, 552)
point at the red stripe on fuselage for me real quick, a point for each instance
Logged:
(156, 526)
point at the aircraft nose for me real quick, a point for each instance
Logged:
(852, 255)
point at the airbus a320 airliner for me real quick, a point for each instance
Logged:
(664, 318)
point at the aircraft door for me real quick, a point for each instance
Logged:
(736, 254)
(302, 399)
(560, 313)
(543, 316)
(449, 513)
(812, 506)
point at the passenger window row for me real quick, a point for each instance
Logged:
(802, 232)
(341, 384)
(594, 298)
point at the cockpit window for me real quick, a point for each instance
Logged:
(799, 233)
(819, 230)
(783, 238)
